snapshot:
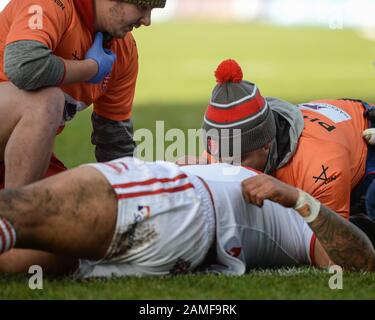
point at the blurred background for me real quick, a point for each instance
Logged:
(297, 50)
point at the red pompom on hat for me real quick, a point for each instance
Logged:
(229, 71)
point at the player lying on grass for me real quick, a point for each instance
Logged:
(128, 217)
(317, 146)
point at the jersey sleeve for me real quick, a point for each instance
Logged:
(39, 20)
(116, 104)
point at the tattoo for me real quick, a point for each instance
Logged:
(20, 207)
(12, 201)
(345, 244)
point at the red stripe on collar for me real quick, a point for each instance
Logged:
(85, 9)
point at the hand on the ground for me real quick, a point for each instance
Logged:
(104, 58)
(264, 187)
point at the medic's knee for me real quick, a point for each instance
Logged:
(49, 105)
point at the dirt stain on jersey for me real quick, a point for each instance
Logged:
(137, 236)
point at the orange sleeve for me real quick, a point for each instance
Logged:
(39, 20)
(116, 104)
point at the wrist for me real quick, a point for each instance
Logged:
(92, 68)
(307, 206)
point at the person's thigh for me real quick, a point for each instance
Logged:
(71, 214)
(15, 102)
(55, 167)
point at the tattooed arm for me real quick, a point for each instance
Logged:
(343, 242)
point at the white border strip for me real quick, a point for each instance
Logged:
(224, 106)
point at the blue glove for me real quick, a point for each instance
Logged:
(103, 57)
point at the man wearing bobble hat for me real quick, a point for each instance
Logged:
(317, 147)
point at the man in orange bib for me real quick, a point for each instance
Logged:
(316, 146)
(57, 58)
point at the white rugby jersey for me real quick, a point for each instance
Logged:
(249, 236)
(166, 222)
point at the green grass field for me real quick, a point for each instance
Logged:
(301, 283)
(177, 61)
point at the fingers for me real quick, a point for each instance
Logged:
(257, 189)
(98, 39)
(111, 54)
(256, 182)
(256, 197)
(264, 187)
